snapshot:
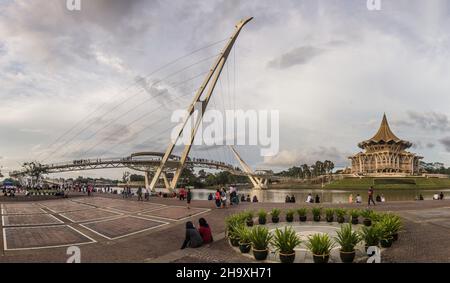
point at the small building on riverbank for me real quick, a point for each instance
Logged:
(385, 154)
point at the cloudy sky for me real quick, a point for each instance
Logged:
(103, 81)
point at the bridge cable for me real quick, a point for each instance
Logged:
(170, 63)
(122, 102)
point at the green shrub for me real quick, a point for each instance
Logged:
(302, 211)
(285, 240)
(347, 238)
(275, 212)
(260, 238)
(316, 211)
(320, 244)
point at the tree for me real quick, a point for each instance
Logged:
(137, 178)
(126, 177)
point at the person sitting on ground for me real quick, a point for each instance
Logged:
(358, 198)
(205, 231)
(287, 199)
(248, 198)
(309, 199)
(242, 198)
(255, 199)
(293, 199)
(210, 196)
(383, 199)
(435, 197)
(317, 199)
(378, 198)
(193, 239)
(441, 196)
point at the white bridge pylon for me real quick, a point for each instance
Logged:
(211, 81)
(257, 181)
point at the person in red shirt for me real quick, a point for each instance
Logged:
(205, 231)
(217, 198)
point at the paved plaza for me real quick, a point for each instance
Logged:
(108, 228)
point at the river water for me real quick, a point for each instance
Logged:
(328, 196)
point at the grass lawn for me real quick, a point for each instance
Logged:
(390, 183)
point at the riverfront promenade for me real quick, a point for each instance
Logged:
(108, 228)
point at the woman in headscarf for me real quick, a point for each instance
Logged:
(193, 238)
(205, 231)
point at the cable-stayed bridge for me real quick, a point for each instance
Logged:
(155, 164)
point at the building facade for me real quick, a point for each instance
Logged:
(385, 154)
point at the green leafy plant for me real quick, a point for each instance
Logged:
(320, 244)
(341, 212)
(354, 213)
(275, 212)
(290, 213)
(367, 213)
(262, 214)
(302, 211)
(316, 211)
(329, 212)
(243, 232)
(260, 238)
(285, 240)
(347, 238)
(371, 235)
(232, 222)
(250, 216)
(389, 225)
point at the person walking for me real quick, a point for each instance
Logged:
(189, 198)
(370, 196)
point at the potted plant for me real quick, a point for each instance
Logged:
(290, 215)
(367, 215)
(329, 214)
(317, 212)
(370, 235)
(302, 211)
(389, 227)
(347, 239)
(244, 238)
(320, 245)
(340, 215)
(354, 213)
(231, 224)
(260, 238)
(262, 217)
(285, 242)
(275, 215)
(393, 224)
(249, 219)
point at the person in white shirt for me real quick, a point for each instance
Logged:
(309, 198)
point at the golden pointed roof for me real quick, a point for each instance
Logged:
(384, 135)
(384, 132)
